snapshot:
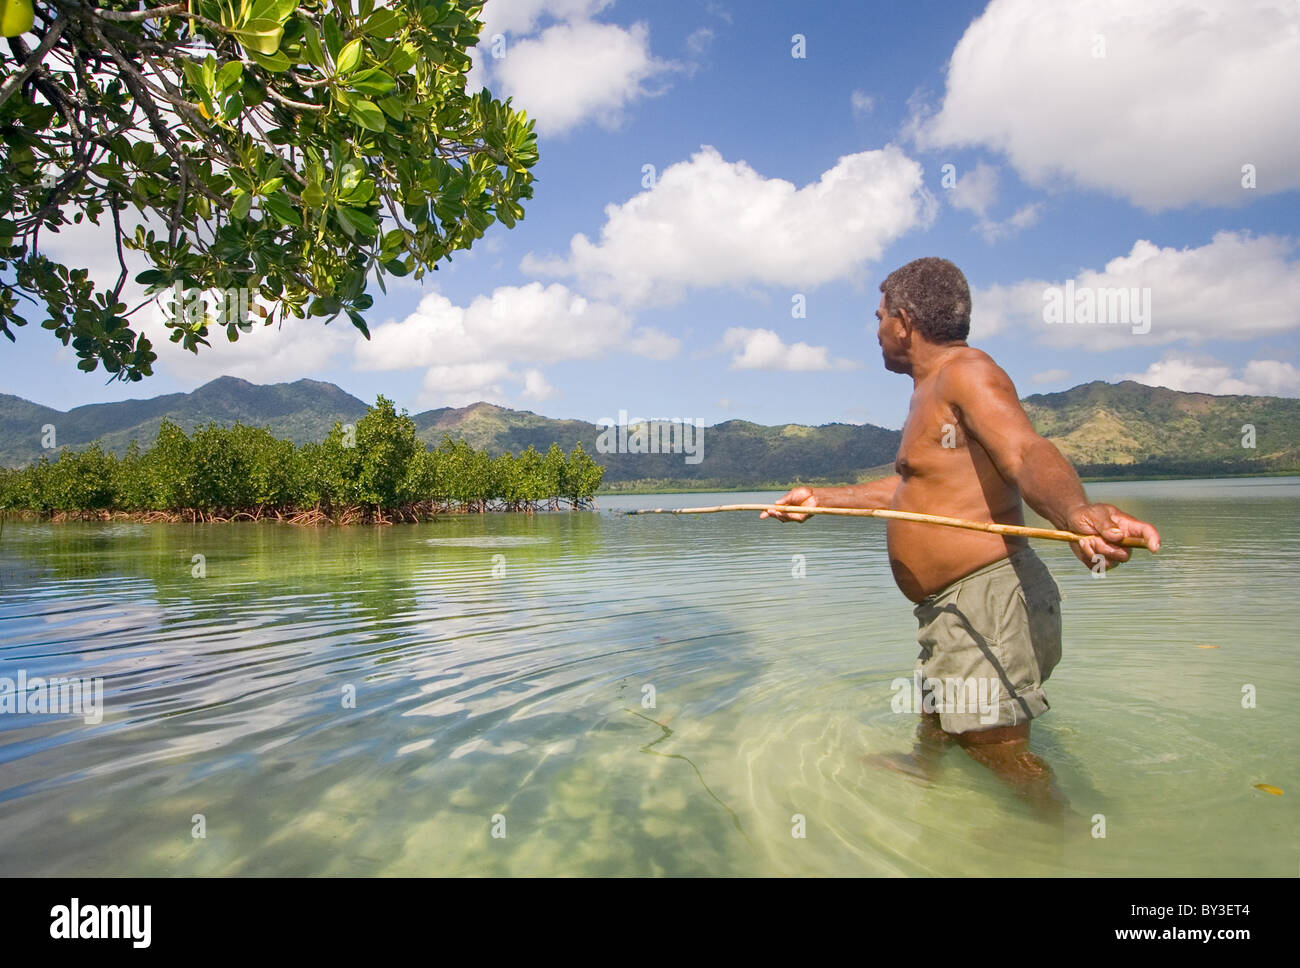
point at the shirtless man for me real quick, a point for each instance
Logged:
(986, 604)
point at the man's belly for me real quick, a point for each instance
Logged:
(926, 558)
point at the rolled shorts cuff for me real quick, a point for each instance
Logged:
(1003, 711)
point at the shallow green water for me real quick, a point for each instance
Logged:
(521, 696)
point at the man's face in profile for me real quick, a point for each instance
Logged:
(886, 336)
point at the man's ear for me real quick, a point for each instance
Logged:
(908, 326)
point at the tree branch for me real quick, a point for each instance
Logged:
(117, 240)
(301, 105)
(33, 64)
(138, 15)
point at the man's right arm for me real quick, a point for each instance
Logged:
(875, 494)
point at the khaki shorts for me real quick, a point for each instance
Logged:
(988, 643)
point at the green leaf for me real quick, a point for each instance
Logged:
(241, 179)
(372, 81)
(229, 74)
(194, 76)
(382, 23)
(244, 15)
(368, 115)
(311, 37)
(321, 306)
(361, 194)
(402, 58)
(282, 208)
(360, 323)
(349, 57)
(351, 175)
(333, 36)
(239, 210)
(359, 221)
(313, 196)
(277, 10)
(262, 36)
(393, 107)
(234, 105)
(276, 63)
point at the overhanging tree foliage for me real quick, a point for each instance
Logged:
(289, 149)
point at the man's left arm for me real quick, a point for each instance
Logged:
(985, 400)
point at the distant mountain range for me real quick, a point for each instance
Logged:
(1108, 430)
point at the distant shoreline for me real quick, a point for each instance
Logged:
(1110, 479)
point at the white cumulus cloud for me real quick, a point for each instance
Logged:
(471, 350)
(459, 385)
(1269, 378)
(710, 222)
(653, 344)
(991, 230)
(977, 190)
(1236, 287)
(536, 386)
(762, 349)
(573, 71)
(522, 16)
(1160, 102)
(699, 41)
(532, 323)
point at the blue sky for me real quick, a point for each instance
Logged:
(1102, 143)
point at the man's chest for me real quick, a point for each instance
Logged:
(931, 434)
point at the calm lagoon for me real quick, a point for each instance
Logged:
(629, 696)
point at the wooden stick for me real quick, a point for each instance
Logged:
(989, 526)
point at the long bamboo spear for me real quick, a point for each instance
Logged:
(989, 526)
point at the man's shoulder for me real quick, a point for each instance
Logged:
(970, 356)
(968, 367)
